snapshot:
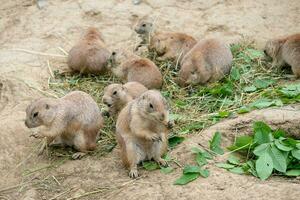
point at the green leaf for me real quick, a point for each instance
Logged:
(215, 144)
(262, 133)
(265, 103)
(263, 83)
(281, 146)
(233, 160)
(204, 173)
(191, 169)
(243, 110)
(237, 170)
(291, 91)
(251, 88)
(278, 159)
(261, 149)
(235, 74)
(254, 54)
(150, 165)
(225, 165)
(264, 166)
(296, 153)
(200, 159)
(252, 170)
(293, 172)
(174, 117)
(186, 178)
(207, 155)
(175, 140)
(242, 143)
(224, 114)
(166, 170)
(279, 133)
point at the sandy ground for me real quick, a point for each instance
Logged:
(23, 77)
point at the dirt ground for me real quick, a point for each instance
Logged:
(31, 38)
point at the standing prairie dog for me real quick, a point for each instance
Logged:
(116, 96)
(209, 60)
(90, 54)
(135, 68)
(142, 130)
(285, 50)
(72, 120)
(168, 45)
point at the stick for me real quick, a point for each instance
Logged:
(62, 50)
(50, 70)
(39, 53)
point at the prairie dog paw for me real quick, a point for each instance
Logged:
(78, 155)
(162, 162)
(156, 138)
(36, 135)
(133, 173)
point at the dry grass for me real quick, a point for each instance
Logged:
(193, 108)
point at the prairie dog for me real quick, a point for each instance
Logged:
(209, 60)
(168, 45)
(135, 68)
(72, 120)
(116, 96)
(90, 54)
(285, 50)
(142, 130)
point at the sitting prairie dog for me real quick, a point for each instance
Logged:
(135, 68)
(285, 50)
(168, 45)
(72, 120)
(209, 60)
(142, 130)
(90, 54)
(116, 96)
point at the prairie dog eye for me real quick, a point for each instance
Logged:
(115, 92)
(143, 25)
(150, 105)
(193, 72)
(35, 114)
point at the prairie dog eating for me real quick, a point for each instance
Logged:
(90, 54)
(285, 50)
(135, 68)
(142, 130)
(73, 120)
(116, 96)
(168, 45)
(209, 60)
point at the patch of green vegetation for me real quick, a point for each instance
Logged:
(252, 84)
(266, 152)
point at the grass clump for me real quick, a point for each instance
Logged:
(252, 84)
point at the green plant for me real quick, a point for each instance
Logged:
(266, 152)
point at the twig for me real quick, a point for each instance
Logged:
(56, 180)
(41, 91)
(62, 193)
(39, 53)
(49, 68)
(87, 194)
(62, 50)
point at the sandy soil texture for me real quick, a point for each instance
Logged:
(32, 38)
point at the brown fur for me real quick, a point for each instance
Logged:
(142, 131)
(90, 54)
(168, 45)
(209, 60)
(72, 120)
(116, 96)
(135, 68)
(285, 50)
